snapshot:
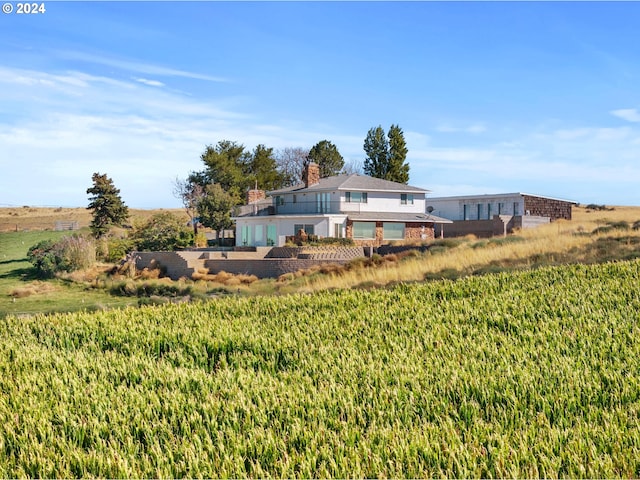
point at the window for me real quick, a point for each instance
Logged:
(244, 235)
(393, 231)
(406, 199)
(500, 208)
(364, 230)
(465, 212)
(479, 211)
(356, 197)
(271, 235)
(308, 229)
(489, 211)
(516, 208)
(259, 234)
(322, 202)
(279, 200)
(337, 230)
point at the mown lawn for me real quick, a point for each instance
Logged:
(21, 292)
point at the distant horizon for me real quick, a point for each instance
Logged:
(492, 97)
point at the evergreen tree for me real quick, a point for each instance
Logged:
(386, 159)
(262, 169)
(225, 164)
(326, 155)
(377, 150)
(398, 169)
(108, 208)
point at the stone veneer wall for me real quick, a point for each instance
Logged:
(284, 260)
(412, 231)
(547, 207)
(267, 267)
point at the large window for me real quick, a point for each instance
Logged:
(356, 197)
(308, 229)
(259, 235)
(244, 235)
(271, 235)
(364, 230)
(406, 199)
(393, 231)
(322, 202)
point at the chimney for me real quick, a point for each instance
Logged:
(311, 174)
(255, 195)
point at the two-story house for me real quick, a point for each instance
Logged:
(369, 210)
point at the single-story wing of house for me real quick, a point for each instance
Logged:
(498, 214)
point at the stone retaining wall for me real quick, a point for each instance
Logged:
(279, 260)
(267, 267)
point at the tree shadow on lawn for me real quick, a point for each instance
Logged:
(26, 274)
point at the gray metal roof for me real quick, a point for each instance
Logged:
(352, 182)
(396, 217)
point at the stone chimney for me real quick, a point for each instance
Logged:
(255, 195)
(311, 174)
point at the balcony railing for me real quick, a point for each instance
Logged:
(298, 208)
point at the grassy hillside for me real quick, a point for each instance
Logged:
(17, 219)
(530, 374)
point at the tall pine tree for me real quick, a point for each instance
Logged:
(328, 158)
(377, 150)
(108, 208)
(386, 159)
(398, 169)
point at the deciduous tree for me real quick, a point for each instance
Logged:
(189, 194)
(163, 231)
(214, 208)
(290, 161)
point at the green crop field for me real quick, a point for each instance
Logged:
(530, 374)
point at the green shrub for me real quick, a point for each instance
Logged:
(65, 255)
(151, 289)
(162, 232)
(343, 242)
(117, 248)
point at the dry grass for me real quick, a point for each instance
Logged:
(33, 288)
(558, 242)
(223, 278)
(14, 219)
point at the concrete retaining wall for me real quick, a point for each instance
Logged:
(499, 225)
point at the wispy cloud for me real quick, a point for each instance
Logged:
(151, 83)
(137, 66)
(628, 114)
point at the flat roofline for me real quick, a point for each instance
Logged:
(498, 195)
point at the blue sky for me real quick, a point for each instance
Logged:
(538, 97)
